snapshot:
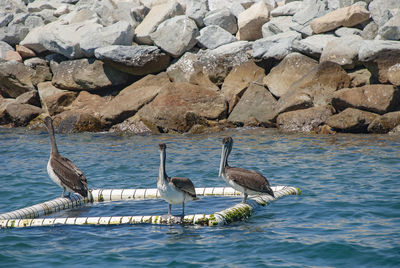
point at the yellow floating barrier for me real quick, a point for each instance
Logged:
(237, 212)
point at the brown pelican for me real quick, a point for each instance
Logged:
(173, 190)
(61, 170)
(242, 180)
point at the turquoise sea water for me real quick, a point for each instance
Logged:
(347, 216)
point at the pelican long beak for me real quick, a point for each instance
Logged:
(223, 160)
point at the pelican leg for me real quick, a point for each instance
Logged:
(169, 209)
(63, 193)
(244, 198)
(183, 209)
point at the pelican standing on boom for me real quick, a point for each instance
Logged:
(61, 170)
(242, 180)
(173, 190)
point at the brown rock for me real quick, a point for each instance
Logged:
(306, 120)
(82, 115)
(13, 55)
(395, 131)
(251, 21)
(352, 120)
(257, 103)
(86, 74)
(25, 52)
(315, 88)
(374, 98)
(21, 114)
(346, 16)
(4, 117)
(385, 67)
(15, 79)
(135, 125)
(30, 97)
(179, 106)
(134, 97)
(293, 67)
(385, 123)
(77, 121)
(54, 99)
(359, 78)
(238, 80)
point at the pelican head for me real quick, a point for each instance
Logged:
(227, 143)
(48, 122)
(162, 147)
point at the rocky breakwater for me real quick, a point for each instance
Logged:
(156, 66)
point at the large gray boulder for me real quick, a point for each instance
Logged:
(378, 99)
(372, 49)
(176, 35)
(223, 18)
(305, 120)
(4, 47)
(5, 19)
(136, 60)
(256, 105)
(39, 5)
(196, 10)
(391, 29)
(78, 39)
(343, 51)
(214, 36)
(276, 25)
(13, 34)
(293, 67)
(120, 33)
(86, 74)
(288, 9)
(383, 10)
(155, 17)
(13, 6)
(370, 31)
(313, 45)
(15, 79)
(276, 47)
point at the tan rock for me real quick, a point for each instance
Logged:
(346, 16)
(30, 97)
(293, 67)
(15, 79)
(237, 81)
(251, 21)
(257, 104)
(4, 117)
(13, 55)
(179, 106)
(315, 88)
(306, 120)
(134, 97)
(352, 120)
(54, 99)
(82, 115)
(374, 98)
(135, 125)
(385, 123)
(157, 14)
(385, 67)
(21, 114)
(25, 52)
(359, 78)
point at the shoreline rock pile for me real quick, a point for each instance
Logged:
(194, 66)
